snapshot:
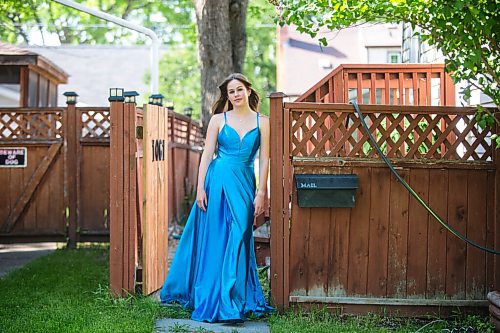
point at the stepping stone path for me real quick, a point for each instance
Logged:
(191, 326)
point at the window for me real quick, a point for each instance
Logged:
(393, 57)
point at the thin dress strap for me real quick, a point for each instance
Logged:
(225, 117)
(257, 120)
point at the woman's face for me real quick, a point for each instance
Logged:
(237, 93)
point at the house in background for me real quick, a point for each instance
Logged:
(93, 69)
(301, 62)
(416, 51)
(28, 79)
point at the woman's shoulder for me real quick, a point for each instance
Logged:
(217, 118)
(263, 118)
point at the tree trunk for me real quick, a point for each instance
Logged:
(237, 26)
(221, 46)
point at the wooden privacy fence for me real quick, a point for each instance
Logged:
(387, 251)
(63, 191)
(389, 84)
(184, 155)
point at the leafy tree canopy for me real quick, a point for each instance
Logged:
(466, 31)
(172, 20)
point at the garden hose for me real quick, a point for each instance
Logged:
(413, 193)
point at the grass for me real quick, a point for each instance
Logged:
(321, 321)
(67, 291)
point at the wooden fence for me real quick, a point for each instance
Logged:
(387, 251)
(64, 189)
(63, 192)
(184, 155)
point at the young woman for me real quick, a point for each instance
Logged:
(214, 271)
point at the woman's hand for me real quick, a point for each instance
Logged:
(258, 203)
(201, 199)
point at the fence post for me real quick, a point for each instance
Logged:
(116, 192)
(71, 138)
(276, 190)
(130, 190)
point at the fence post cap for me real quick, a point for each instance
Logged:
(277, 94)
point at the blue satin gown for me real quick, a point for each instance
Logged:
(214, 271)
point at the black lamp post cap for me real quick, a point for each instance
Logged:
(70, 97)
(116, 95)
(156, 99)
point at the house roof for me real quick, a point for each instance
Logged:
(11, 55)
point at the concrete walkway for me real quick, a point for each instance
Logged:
(186, 325)
(13, 256)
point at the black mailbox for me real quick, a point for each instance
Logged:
(326, 190)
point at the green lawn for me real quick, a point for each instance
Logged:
(67, 292)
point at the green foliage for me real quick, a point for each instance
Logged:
(466, 31)
(172, 20)
(180, 79)
(260, 61)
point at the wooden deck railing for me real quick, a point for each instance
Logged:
(390, 84)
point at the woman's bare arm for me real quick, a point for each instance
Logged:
(263, 165)
(206, 158)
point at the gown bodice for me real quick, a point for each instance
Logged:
(233, 149)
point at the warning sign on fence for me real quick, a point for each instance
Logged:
(13, 157)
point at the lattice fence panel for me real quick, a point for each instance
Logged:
(95, 123)
(181, 129)
(412, 136)
(32, 125)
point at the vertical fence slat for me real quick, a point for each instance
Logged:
(71, 173)
(398, 237)
(456, 248)
(277, 227)
(287, 185)
(358, 235)
(116, 268)
(417, 234)
(130, 110)
(449, 94)
(339, 247)
(436, 253)
(126, 196)
(475, 263)
(378, 233)
(373, 99)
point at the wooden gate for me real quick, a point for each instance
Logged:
(387, 251)
(139, 202)
(62, 192)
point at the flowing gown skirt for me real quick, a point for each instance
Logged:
(214, 270)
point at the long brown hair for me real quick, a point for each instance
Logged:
(222, 101)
